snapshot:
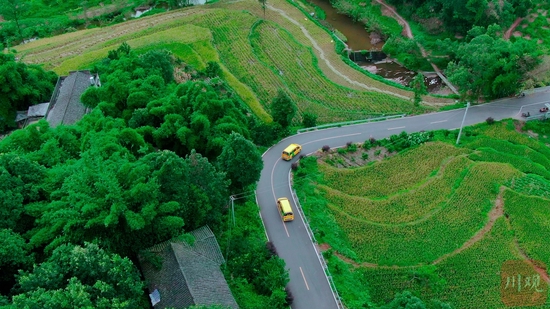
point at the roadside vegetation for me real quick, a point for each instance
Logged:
(110, 186)
(416, 213)
(453, 34)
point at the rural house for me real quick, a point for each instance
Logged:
(179, 275)
(65, 106)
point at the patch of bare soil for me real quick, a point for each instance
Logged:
(433, 25)
(512, 27)
(519, 126)
(325, 247)
(357, 158)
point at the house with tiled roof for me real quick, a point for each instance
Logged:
(180, 275)
(65, 106)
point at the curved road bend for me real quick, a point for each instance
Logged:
(308, 281)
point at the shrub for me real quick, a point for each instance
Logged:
(352, 148)
(309, 120)
(294, 166)
(377, 152)
(373, 141)
(325, 148)
(490, 120)
(342, 150)
(366, 145)
(365, 156)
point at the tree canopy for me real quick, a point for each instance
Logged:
(152, 161)
(21, 86)
(80, 277)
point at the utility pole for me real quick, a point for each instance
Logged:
(462, 125)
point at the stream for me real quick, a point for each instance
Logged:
(359, 39)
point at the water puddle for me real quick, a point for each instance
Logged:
(358, 39)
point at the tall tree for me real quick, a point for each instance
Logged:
(20, 87)
(242, 162)
(263, 3)
(14, 255)
(14, 10)
(419, 88)
(80, 277)
(283, 109)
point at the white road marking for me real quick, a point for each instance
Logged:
(323, 139)
(440, 121)
(305, 281)
(396, 128)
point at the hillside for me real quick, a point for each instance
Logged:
(435, 219)
(303, 62)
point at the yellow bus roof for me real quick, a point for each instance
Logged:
(290, 148)
(285, 205)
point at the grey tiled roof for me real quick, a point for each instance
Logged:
(190, 275)
(38, 110)
(66, 107)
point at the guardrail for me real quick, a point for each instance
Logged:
(347, 123)
(319, 254)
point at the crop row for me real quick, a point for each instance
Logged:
(391, 175)
(530, 219)
(465, 213)
(531, 184)
(405, 207)
(521, 163)
(468, 280)
(514, 149)
(297, 65)
(506, 132)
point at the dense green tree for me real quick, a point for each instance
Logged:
(21, 85)
(14, 255)
(242, 162)
(419, 88)
(20, 184)
(491, 67)
(80, 277)
(309, 120)
(213, 69)
(283, 109)
(109, 197)
(159, 62)
(14, 10)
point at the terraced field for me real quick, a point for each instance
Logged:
(437, 220)
(258, 56)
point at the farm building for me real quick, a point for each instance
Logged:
(65, 106)
(180, 275)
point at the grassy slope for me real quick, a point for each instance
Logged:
(402, 224)
(227, 32)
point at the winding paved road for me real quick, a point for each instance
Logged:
(308, 281)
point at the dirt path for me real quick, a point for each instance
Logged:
(512, 27)
(494, 214)
(406, 28)
(408, 33)
(541, 271)
(324, 58)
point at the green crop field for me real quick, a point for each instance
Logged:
(258, 56)
(436, 219)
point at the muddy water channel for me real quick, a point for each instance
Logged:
(358, 39)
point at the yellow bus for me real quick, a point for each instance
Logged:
(291, 151)
(284, 209)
